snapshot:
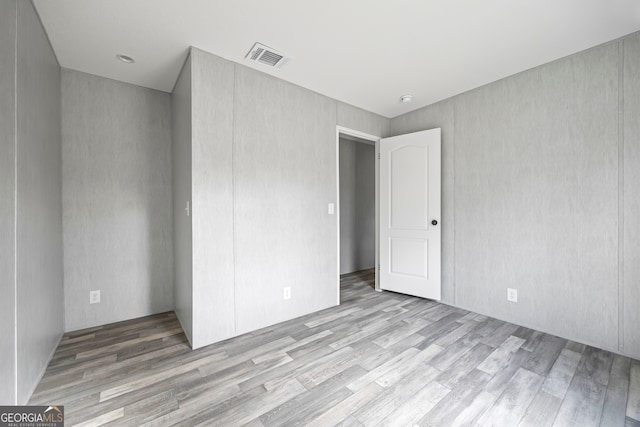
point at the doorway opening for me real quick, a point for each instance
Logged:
(357, 179)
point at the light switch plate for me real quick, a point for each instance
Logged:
(331, 209)
(94, 297)
(512, 295)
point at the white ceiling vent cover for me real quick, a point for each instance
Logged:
(267, 56)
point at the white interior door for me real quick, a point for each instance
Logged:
(410, 214)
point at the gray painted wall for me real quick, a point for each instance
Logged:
(357, 206)
(630, 295)
(361, 120)
(284, 176)
(263, 171)
(212, 188)
(117, 200)
(7, 201)
(347, 170)
(181, 183)
(530, 195)
(39, 213)
(366, 205)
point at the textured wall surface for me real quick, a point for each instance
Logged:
(530, 195)
(181, 183)
(212, 209)
(364, 121)
(40, 300)
(631, 195)
(365, 205)
(7, 201)
(117, 200)
(536, 197)
(263, 171)
(347, 167)
(357, 206)
(284, 164)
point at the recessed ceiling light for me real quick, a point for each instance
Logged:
(125, 58)
(406, 99)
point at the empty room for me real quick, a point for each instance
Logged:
(332, 213)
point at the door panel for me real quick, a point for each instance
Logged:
(409, 203)
(407, 181)
(407, 257)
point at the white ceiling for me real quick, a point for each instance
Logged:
(364, 52)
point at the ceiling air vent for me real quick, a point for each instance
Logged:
(267, 56)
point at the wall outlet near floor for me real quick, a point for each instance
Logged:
(512, 295)
(94, 297)
(286, 293)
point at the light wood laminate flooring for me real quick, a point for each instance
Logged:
(377, 359)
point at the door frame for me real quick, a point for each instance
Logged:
(375, 141)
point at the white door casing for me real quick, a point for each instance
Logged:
(410, 229)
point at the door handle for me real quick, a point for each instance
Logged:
(434, 222)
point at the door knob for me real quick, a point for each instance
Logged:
(434, 222)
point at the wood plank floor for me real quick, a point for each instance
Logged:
(378, 359)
